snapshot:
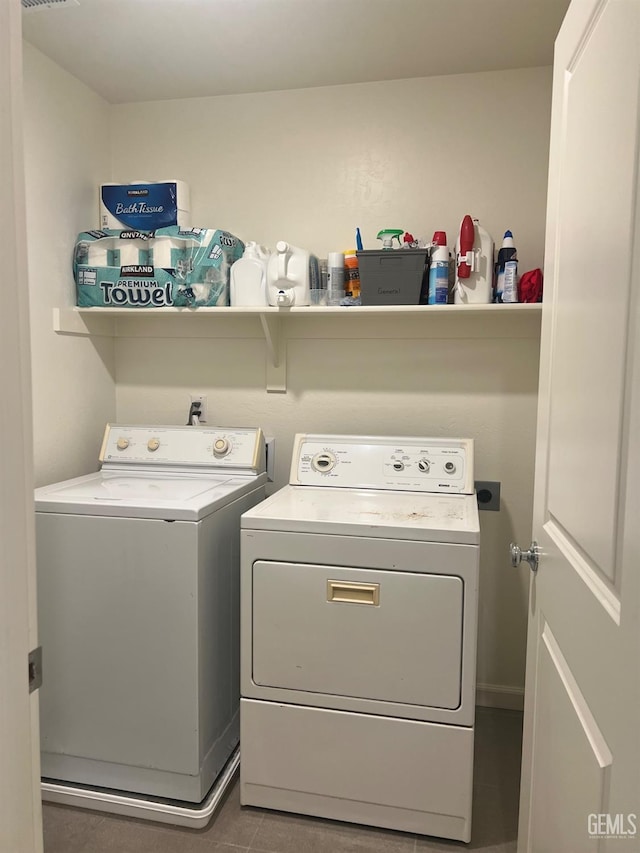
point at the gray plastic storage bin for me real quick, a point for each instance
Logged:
(391, 276)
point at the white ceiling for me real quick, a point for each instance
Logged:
(139, 50)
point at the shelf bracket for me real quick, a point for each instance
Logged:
(276, 363)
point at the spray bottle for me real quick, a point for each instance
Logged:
(506, 254)
(388, 235)
(474, 264)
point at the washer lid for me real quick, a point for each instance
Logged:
(423, 516)
(148, 495)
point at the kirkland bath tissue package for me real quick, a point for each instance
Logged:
(168, 267)
(144, 205)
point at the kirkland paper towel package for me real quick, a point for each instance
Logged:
(144, 205)
(169, 267)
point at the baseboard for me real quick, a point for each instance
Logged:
(500, 696)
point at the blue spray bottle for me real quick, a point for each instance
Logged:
(506, 254)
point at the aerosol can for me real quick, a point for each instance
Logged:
(439, 270)
(474, 264)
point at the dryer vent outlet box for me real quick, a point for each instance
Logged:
(488, 494)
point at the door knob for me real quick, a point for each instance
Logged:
(531, 556)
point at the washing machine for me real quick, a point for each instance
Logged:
(359, 602)
(138, 612)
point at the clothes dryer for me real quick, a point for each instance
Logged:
(138, 611)
(359, 602)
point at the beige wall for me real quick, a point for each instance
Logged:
(308, 166)
(66, 129)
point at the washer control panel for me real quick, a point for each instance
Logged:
(384, 462)
(186, 447)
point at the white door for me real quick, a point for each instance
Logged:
(20, 811)
(581, 752)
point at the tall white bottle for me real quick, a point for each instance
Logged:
(248, 278)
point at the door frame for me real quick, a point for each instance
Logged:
(20, 803)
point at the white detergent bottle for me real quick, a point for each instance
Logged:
(291, 272)
(248, 278)
(474, 264)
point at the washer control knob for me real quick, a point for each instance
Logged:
(221, 446)
(398, 466)
(153, 444)
(323, 462)
(450, 467)
(122, 443)
(424, 465)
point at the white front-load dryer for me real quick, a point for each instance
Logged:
(359, 601)
(138, 615)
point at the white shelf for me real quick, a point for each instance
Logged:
(276, 325)
(353, 311)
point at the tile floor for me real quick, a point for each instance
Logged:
(235, 829)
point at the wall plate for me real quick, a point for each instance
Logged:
(202, 400)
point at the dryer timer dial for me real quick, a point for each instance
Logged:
(323, 462)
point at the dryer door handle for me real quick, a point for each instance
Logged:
(353, 593)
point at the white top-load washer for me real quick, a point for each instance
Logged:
(359, 590)
(138, 611)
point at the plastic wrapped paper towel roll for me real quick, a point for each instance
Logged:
(98, 253)
(127, 253)
(165, 253)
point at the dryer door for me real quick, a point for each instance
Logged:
(388, 636)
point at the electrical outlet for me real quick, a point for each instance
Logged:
(200, 398)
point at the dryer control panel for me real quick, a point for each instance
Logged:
(183, 447)
(384, 462)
